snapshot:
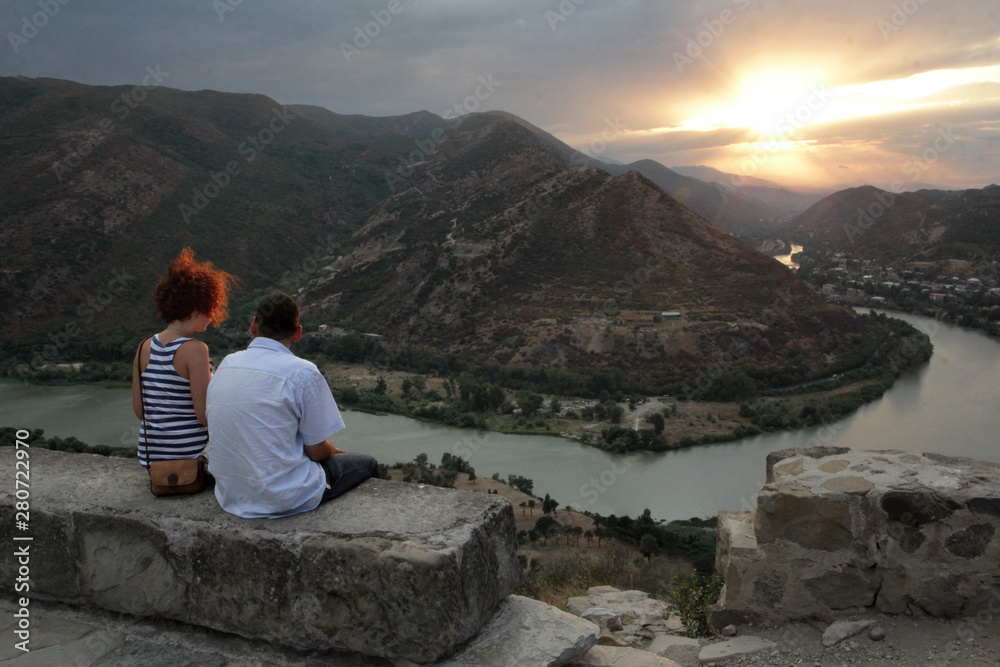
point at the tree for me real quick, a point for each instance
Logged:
(421, 460)
(577, 532)
(531, 404)
(656, 419)
(531, 507)
(522, 484)
(546, 526)
(589, 536)
(648, 546)
(380, 386)
(613, 413)
(524, 508)
(555, 406)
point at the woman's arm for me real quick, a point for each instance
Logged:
(136, 391)
(191, 362)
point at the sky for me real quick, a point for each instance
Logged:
(808, 93)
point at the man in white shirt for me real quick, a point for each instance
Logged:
(270, 415)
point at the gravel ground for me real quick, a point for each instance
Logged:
(909, 640)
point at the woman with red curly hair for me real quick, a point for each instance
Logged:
(171, 371)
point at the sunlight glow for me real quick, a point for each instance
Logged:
(775, 104)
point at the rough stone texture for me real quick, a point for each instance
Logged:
(611, 656)
(67, 636)
(663, 643)
(732, 647)
(627, 619)
(390, 569)
(527, 632)
(836, 529)
(615, 609)
(841, 630)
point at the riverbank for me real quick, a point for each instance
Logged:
(621, 424)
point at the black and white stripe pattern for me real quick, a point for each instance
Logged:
(171, 429)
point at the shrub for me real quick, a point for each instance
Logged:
(691, 598)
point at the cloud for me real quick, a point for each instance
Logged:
(595, 60)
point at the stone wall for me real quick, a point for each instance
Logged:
(390, 569)
(836, 530)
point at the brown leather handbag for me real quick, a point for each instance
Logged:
(174, 476)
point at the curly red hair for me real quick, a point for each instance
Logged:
(191, 286)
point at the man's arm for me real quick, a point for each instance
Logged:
(321, 451)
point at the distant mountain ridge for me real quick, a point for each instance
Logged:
(476, 236)
(927, 224)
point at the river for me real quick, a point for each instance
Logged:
(948, 406)
(787, 259)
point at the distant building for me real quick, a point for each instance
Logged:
(670, 315)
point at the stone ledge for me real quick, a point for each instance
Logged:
(838, 529)
(391, 570)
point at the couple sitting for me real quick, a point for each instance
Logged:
(268, 413)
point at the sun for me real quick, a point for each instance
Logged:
(766, 101)
(769, 100)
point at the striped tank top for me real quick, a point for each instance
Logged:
(171, 429)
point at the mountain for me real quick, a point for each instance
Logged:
(720, 204)
(927, 224)
(475, 237)
(786, 201)
(724, 206)
(713, 175)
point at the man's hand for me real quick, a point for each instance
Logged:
(321, 451)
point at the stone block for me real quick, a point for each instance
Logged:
(527, 632)
(733, 647)
(840, 630)
(838, 529)
(612, 656)
(663, 643)
(391, 570)
(798, 515)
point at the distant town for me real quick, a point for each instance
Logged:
(963, 292)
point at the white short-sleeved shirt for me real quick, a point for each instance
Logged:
(264, 405)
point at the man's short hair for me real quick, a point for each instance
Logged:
(277, 316)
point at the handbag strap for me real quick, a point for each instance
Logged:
(142, 395)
